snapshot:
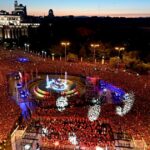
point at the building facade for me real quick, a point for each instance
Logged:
(13, 26)
(19, 9)
(6, 20)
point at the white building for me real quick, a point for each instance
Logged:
(10, 20)
(11, 27)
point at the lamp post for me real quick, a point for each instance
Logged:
(53, 56)
(5, 45)
(65, 44)
(28, 47)
(94, 46)
(45, 54)
(25, 46)
(10, 53)
(119, 49)
(103, 60)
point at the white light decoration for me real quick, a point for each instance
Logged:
(119, 111)
(128, 103)
(61, 103)
(104, 90)
(73, 138)
(44, 131)
(27, 147)
(94, 112)
(94, 100)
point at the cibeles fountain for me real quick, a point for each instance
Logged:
(54, 84)
(57, 84)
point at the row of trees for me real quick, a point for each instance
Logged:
(104, 49)
(131, 61)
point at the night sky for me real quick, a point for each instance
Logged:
(128, 8)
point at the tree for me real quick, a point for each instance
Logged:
(114, 61)
(58, 50)
(72, 57)
(104, 49)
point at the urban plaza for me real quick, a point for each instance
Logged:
(76, 80)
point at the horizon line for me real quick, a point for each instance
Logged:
(103, 15)
(119, 15)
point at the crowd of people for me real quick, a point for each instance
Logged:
(136, 122)
(89, 134)
(9, 111)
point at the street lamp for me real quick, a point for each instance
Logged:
(10, 52)
(119, 49)
(65, 44)
(14, 44)
(53, 56)
(28, 47)
(5, 45)
(43, 54)
(94, 46)
(25, 46)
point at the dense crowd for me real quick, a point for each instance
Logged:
(9, 111)
(136, 122)
(59, 125)
(88, 134)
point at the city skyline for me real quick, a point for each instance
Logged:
(126, 8)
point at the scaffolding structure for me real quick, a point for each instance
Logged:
(23, 138)
(31, 139)
(123, 141)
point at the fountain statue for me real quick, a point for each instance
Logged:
(57, 84)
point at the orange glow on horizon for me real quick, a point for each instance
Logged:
(91, 12)
(62, 13)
